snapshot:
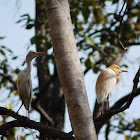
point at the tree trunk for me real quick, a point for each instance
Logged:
(69, 69)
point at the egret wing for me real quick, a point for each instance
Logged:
(24, 88)
(105, 84)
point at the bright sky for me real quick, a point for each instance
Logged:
(17, 39)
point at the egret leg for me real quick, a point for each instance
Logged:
(20, 107)
(102, 112)
(108, 103)
(28, 114)
(28, 110)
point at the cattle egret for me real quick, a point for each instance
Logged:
(24, 84)
(106, 82)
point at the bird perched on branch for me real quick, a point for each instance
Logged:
(24, 83)
(106, 82)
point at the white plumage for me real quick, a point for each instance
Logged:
(24, 87)
(24, 84)
(106, 83)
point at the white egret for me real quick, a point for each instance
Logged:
(24, 84)
(106, 82)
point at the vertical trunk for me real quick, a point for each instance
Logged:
(51, 98)
(69, 69)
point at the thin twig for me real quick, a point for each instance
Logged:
(9, 78)
(45, 114)
(122, 7)
(125, 48)
(121, 20)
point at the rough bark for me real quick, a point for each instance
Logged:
(69, 69)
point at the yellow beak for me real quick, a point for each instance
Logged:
(39, 54)
(124, 70)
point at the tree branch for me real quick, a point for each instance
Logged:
(22, 121)
(9, 78)
(121, 20)
(117, 105)
(42, 111)
(54, 133)
(133, 43)
(107, 130)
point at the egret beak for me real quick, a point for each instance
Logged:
(39, 54)
(124, 70)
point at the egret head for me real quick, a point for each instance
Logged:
(32, 54)
(116, 69)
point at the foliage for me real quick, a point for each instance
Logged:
(93, 19)
(7, 75)
(96, 30)
(131, 129)
(8, 82)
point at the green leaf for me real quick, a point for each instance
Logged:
(121, 116)
(92, 60)
(7, 49)
(23, 63)
(2, 52)
(15, 57)
(32, 40)
(90, 41)
(120, 132)
(21, 20)
(25, 15)
(29, 26)
(124, 65)
(2, 37)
